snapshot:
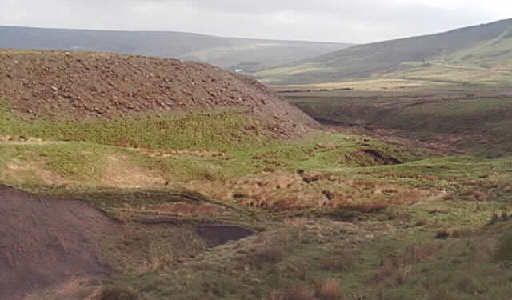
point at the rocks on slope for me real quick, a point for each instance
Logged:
(53, 84)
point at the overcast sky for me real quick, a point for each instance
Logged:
(354, 21)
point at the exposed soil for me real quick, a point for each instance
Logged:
(45, 242)
(77, 85)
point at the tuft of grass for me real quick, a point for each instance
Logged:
(330, 290)
(295, 293)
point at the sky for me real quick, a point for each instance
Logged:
(353, 21)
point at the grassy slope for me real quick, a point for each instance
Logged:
(217, 145)
(487, 63)
(478, 124)
(360, 248)
(483, 45)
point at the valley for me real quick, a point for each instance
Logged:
(161, 179)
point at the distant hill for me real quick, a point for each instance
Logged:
(486, 46)
(234, 53)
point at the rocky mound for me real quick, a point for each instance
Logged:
(53, 84)
(45, 241)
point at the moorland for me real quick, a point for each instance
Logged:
(161, 179)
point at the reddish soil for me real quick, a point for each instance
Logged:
(53, 84)
(45, 242)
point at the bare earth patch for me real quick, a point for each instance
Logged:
(47, 241)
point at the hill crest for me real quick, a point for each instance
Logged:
(225, 52)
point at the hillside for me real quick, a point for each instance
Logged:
(131, 177)
(478, 47)
(51, 85)
(234, 53)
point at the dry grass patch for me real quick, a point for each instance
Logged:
(118, 172)
(339, 260)
(296, 293)
(270, 253)
(23, 171)
(397, 271)
(330, 290)
(283, 191)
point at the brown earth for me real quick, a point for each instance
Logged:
(45, 242)
(78, 85)
(53, 248)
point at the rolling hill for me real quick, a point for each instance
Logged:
(483, 50)
(234, 53)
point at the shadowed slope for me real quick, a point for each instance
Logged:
(46, 241)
